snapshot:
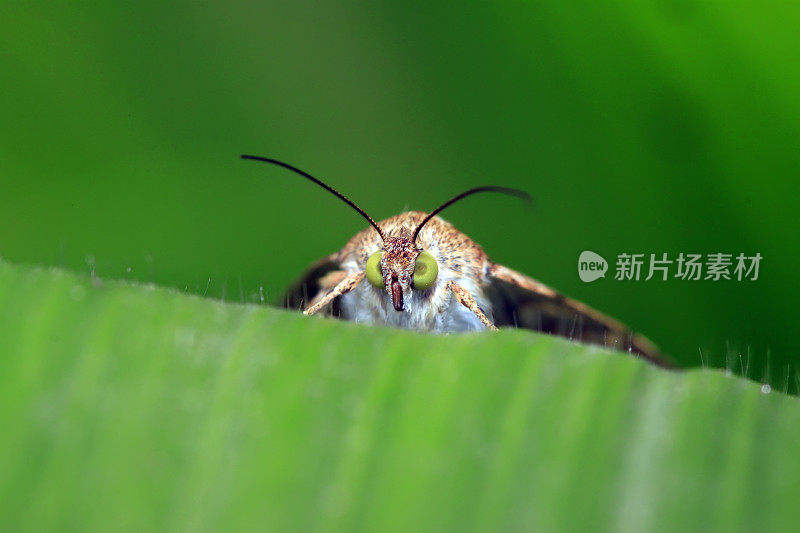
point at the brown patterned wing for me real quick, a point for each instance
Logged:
(520, 301)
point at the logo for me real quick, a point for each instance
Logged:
(667, 266)
(591, 266)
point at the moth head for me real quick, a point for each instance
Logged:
(399, 268)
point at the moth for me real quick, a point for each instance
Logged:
(417, 271)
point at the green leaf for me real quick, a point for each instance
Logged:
(131, 407)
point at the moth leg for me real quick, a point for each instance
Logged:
(326, 284)
(465, 298)
(347, 284)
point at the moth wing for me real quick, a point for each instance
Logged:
(520, 301)
(316, 278)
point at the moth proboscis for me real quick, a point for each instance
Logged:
(417, 271)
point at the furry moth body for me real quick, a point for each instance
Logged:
(417, 271)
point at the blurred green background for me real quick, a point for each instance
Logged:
(639, 127)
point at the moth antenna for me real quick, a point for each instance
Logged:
(488, 188)
(328, 188)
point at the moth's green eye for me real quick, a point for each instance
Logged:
(425, 271)
(374, 274)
